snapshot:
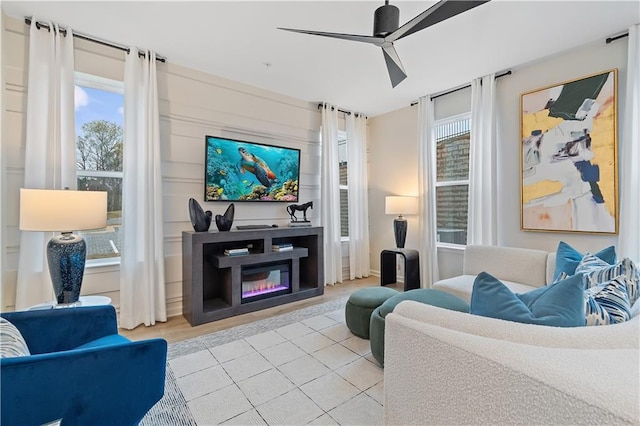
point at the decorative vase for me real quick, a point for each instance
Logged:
(200, 219)
(224, 222)
(66, 255)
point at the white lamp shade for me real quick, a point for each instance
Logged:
(401, 205)
(62, 210)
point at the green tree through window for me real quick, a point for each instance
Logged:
(100, 149)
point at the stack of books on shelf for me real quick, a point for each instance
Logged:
(282, 247)
(236, 251)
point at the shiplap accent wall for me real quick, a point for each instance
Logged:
(192, 104)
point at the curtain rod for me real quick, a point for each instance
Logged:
(27, 20)
(610, 39)
(342, 111)
(459, 88)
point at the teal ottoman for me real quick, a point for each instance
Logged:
(428, 296)
(361, 304)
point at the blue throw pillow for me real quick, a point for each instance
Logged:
(568, 258)
(559, 305)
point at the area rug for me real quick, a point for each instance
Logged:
(302, 367)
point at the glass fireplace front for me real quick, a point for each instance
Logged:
(264, 281)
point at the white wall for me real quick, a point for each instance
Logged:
(192, 104)
(573, 64)
(3, 254)
(393, 170)
(393, 163)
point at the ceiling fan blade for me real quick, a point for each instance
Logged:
(353, 37)
(440, 11)
(394, 66)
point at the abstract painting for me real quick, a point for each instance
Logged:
(568, 150)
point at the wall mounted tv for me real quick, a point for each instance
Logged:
(238, 170)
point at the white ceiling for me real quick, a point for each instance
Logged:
(237, 39)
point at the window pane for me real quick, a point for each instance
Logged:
(451, 213)
(343, 173)
(99, 143)
(453, 158)
(342, 157)
(103, 243)
(344, 213)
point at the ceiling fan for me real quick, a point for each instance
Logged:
(387, 29)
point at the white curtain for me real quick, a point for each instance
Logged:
(427, 193)
(330, 182)
(482, 222)
(358, 196)
(50, 153)
(142, 283)
(629, 240)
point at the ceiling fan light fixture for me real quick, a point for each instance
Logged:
(386, 20)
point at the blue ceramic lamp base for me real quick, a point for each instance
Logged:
(66, 254)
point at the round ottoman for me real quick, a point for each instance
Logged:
(428, 296)
(361, 304)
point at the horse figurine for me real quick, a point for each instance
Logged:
(292, 208)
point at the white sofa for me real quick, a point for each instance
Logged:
(521, 270)
(449, 368)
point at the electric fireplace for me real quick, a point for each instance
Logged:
(265, 281)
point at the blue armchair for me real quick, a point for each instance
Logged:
(80, 370)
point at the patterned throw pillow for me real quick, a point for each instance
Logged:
(596, 271)
(562, 276)
(11, 342)
(607, 303)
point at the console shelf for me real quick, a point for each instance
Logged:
(211, 281)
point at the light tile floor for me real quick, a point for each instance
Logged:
(310, 372)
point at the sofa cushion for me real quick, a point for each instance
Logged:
(597, 271)
(462, 286)
(111, 340)
(568, 258)
(635, 309)
(526, 266)
(607, 303)
(12, 343)
(560, 304)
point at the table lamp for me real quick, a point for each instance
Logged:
(65, 211)
(400, 205)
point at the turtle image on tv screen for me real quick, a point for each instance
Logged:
(238, 170)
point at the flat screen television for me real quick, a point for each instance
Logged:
(237, 170)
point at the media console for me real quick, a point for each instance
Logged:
(212, 282)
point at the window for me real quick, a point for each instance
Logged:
(99, 121)
(344, 189)
(452, 178)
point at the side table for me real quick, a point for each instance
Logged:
(411, 267)
(83, 301)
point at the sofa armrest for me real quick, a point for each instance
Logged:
(436, 375)
(109, 385)
(622, 336)
(551, 267)
(61, 329)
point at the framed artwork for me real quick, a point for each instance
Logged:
(568, 150)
